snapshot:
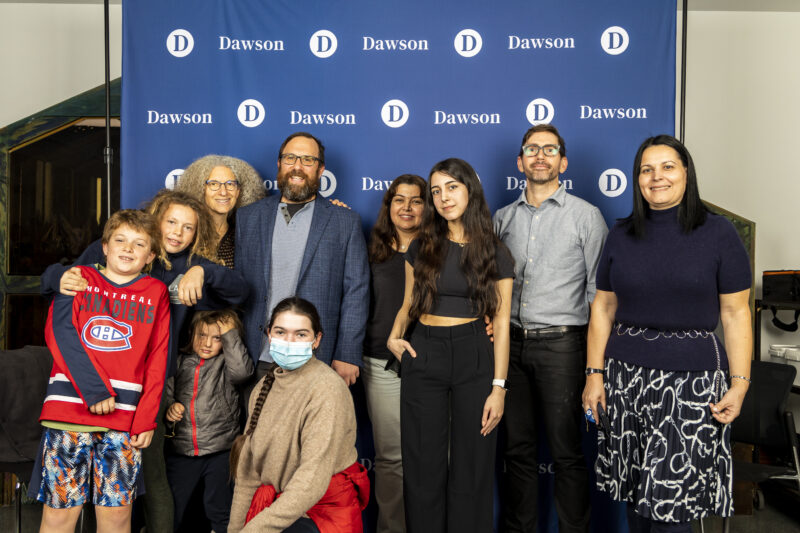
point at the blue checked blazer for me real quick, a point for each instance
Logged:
(334, 275)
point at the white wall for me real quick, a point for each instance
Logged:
(743, 130)
(52, 52)
(742, 123)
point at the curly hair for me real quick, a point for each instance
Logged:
(193, 180)
(384, 234)
(204, 243)
(478, 261)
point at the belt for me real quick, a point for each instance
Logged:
(552, 332)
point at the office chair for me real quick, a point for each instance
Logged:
(765, 422)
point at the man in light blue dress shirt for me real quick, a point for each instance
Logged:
(556, 239)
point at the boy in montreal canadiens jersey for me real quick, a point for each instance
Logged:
(109, 345)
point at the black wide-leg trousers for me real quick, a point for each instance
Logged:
(448, 466)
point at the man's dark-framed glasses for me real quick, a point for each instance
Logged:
(306, 160)
(230, 185)
(548, 149)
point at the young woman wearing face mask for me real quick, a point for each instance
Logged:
(300, 406)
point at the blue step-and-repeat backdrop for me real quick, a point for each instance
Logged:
(392, 87)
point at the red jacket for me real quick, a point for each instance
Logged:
(108, 341)
(339, 509)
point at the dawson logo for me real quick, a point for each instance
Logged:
(515, 42)
(612, 182)
(614, 40)
(468, 43)
(514, 183)
(371, 43)
(441, 117)
(257, 45)
(394, 113)
(327, 183)
(339, 119)
(323, 43)
(155, 117)
(613, 112)
(106, 334)
(180, 43)
(539, 111)
(251, 113)
(375, 184)
(172, 178)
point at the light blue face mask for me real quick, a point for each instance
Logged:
(290, 355)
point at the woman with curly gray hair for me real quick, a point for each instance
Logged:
(224, 183)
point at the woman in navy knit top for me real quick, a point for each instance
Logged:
(668, 273)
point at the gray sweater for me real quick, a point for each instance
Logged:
(207, 390)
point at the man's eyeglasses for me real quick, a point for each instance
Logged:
(548, 149)
(230, 185)
(306, 160)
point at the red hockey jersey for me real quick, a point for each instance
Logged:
(109, 340)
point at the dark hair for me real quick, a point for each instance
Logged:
(691, 211)
(211, 318)
(478, 260)
(304, 134)
(548, 128)
(384, 234)
(300, 307)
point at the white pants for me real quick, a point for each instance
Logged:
(383, 403)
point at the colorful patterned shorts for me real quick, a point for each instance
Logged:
(69, 458)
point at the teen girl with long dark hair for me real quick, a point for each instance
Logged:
(453, 386)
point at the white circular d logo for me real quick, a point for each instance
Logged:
(468, 43)
(539, 111)
(614, 40)
(172, 178)
(180, 43)
(394, 113)
(327, 183)
(323, 43)
(251, 113)
(612, 182)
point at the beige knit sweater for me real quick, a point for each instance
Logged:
(306, 433)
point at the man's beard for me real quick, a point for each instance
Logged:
(537, 177)
(297, 193)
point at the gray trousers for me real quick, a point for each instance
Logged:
(383, 404)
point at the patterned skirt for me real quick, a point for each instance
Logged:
(666, 454)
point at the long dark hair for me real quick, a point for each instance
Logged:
(295, 305)
(691, 211)
(384, 234)
(478, 260)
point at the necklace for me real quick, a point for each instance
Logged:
(461, 244)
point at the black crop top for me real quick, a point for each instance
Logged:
(452, 291)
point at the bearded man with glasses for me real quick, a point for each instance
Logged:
(556, 239)
(302, 245)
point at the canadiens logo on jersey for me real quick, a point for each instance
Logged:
(106, 334)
